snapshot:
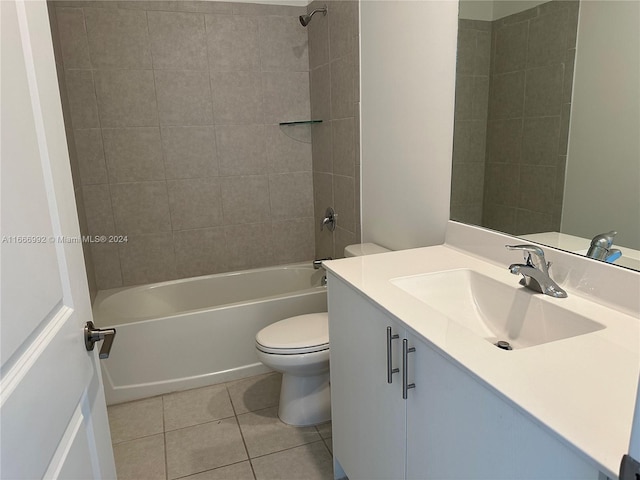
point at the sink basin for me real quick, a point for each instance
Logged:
(496, 311)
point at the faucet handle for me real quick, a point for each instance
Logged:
(532, 250)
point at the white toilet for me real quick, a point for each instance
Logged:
(298, 347)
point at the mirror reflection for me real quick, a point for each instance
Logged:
(546, 142)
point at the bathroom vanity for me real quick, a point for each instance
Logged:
(557, 406)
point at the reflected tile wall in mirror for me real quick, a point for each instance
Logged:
(513, 96)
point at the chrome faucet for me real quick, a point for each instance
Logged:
(600, 248)
(535, 271)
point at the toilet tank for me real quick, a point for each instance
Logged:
(359, 249)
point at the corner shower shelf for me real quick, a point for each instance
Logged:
(302, 122)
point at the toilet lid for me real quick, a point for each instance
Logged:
(295, 335)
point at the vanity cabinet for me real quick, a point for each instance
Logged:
(450, 426)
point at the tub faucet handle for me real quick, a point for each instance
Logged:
(317, 264)
(330, 217)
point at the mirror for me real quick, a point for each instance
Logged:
(546, 138)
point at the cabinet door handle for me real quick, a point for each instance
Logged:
(405, 369)
(390, 369)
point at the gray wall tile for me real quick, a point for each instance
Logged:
(507, 95)
(465, 59)
(532, 222)
(540, 140)
(208, 71)
(73, 38)
(321, 93)
(343, 27)
(241, 149)
(178, 41)
(248, 246)
(232, 43)
(499, 217)
(118, 38)
(464, 97)
(283, 44)
(322, 146)
(285, 151)
(200, 252)
(106, 262)
(126, 98)
(343, 239)
(504, 141)
(82, 99)
(241, 8)
(469, 181)
(90, 152)
(511, 48)
(141, 207)
(147, 258)
(184, 98)
(543, 94)
(469, 140)
(97, 206)
(189, 152)
(133, 154)
(342, 92)
(245, 199)
(237, 97)
(344, 199)
(318, 32)
(285, 96)
(483, 53)
(480, 101)
(344, 161)
(537, 185)
(195, 203)
(547, 39)
(290, 195)
(502, 184)
(293, 240)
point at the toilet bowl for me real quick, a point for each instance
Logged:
(298, 347)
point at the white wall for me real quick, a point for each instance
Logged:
(602, 190)
(408, 55)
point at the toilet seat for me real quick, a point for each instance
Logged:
(295, 335)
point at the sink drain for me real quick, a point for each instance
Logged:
(504, 345)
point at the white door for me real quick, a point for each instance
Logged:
(53, 419)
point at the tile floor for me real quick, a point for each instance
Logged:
(229, 431)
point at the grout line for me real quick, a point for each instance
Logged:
(137, 438)
(291, 448)
(164, 436)
(240, 429)
(209, 470)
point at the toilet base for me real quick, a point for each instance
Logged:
(305, 400)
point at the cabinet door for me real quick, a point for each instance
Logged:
(459, 429)
(368, 413)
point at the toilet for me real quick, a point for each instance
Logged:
(298, 347)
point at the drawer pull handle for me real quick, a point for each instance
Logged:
(390, 369)
(405, 368)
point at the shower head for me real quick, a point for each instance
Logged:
(305, 19)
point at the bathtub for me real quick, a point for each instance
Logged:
(198, 331)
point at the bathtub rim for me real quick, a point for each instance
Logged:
(102, 295)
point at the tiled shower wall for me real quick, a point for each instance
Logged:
(529, 104)
(470, 131)
(335, 96)
(174, 110)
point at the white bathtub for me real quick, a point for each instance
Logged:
(198, 331)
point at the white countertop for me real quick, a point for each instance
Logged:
(581, 388)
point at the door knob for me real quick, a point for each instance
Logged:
(93, 335)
